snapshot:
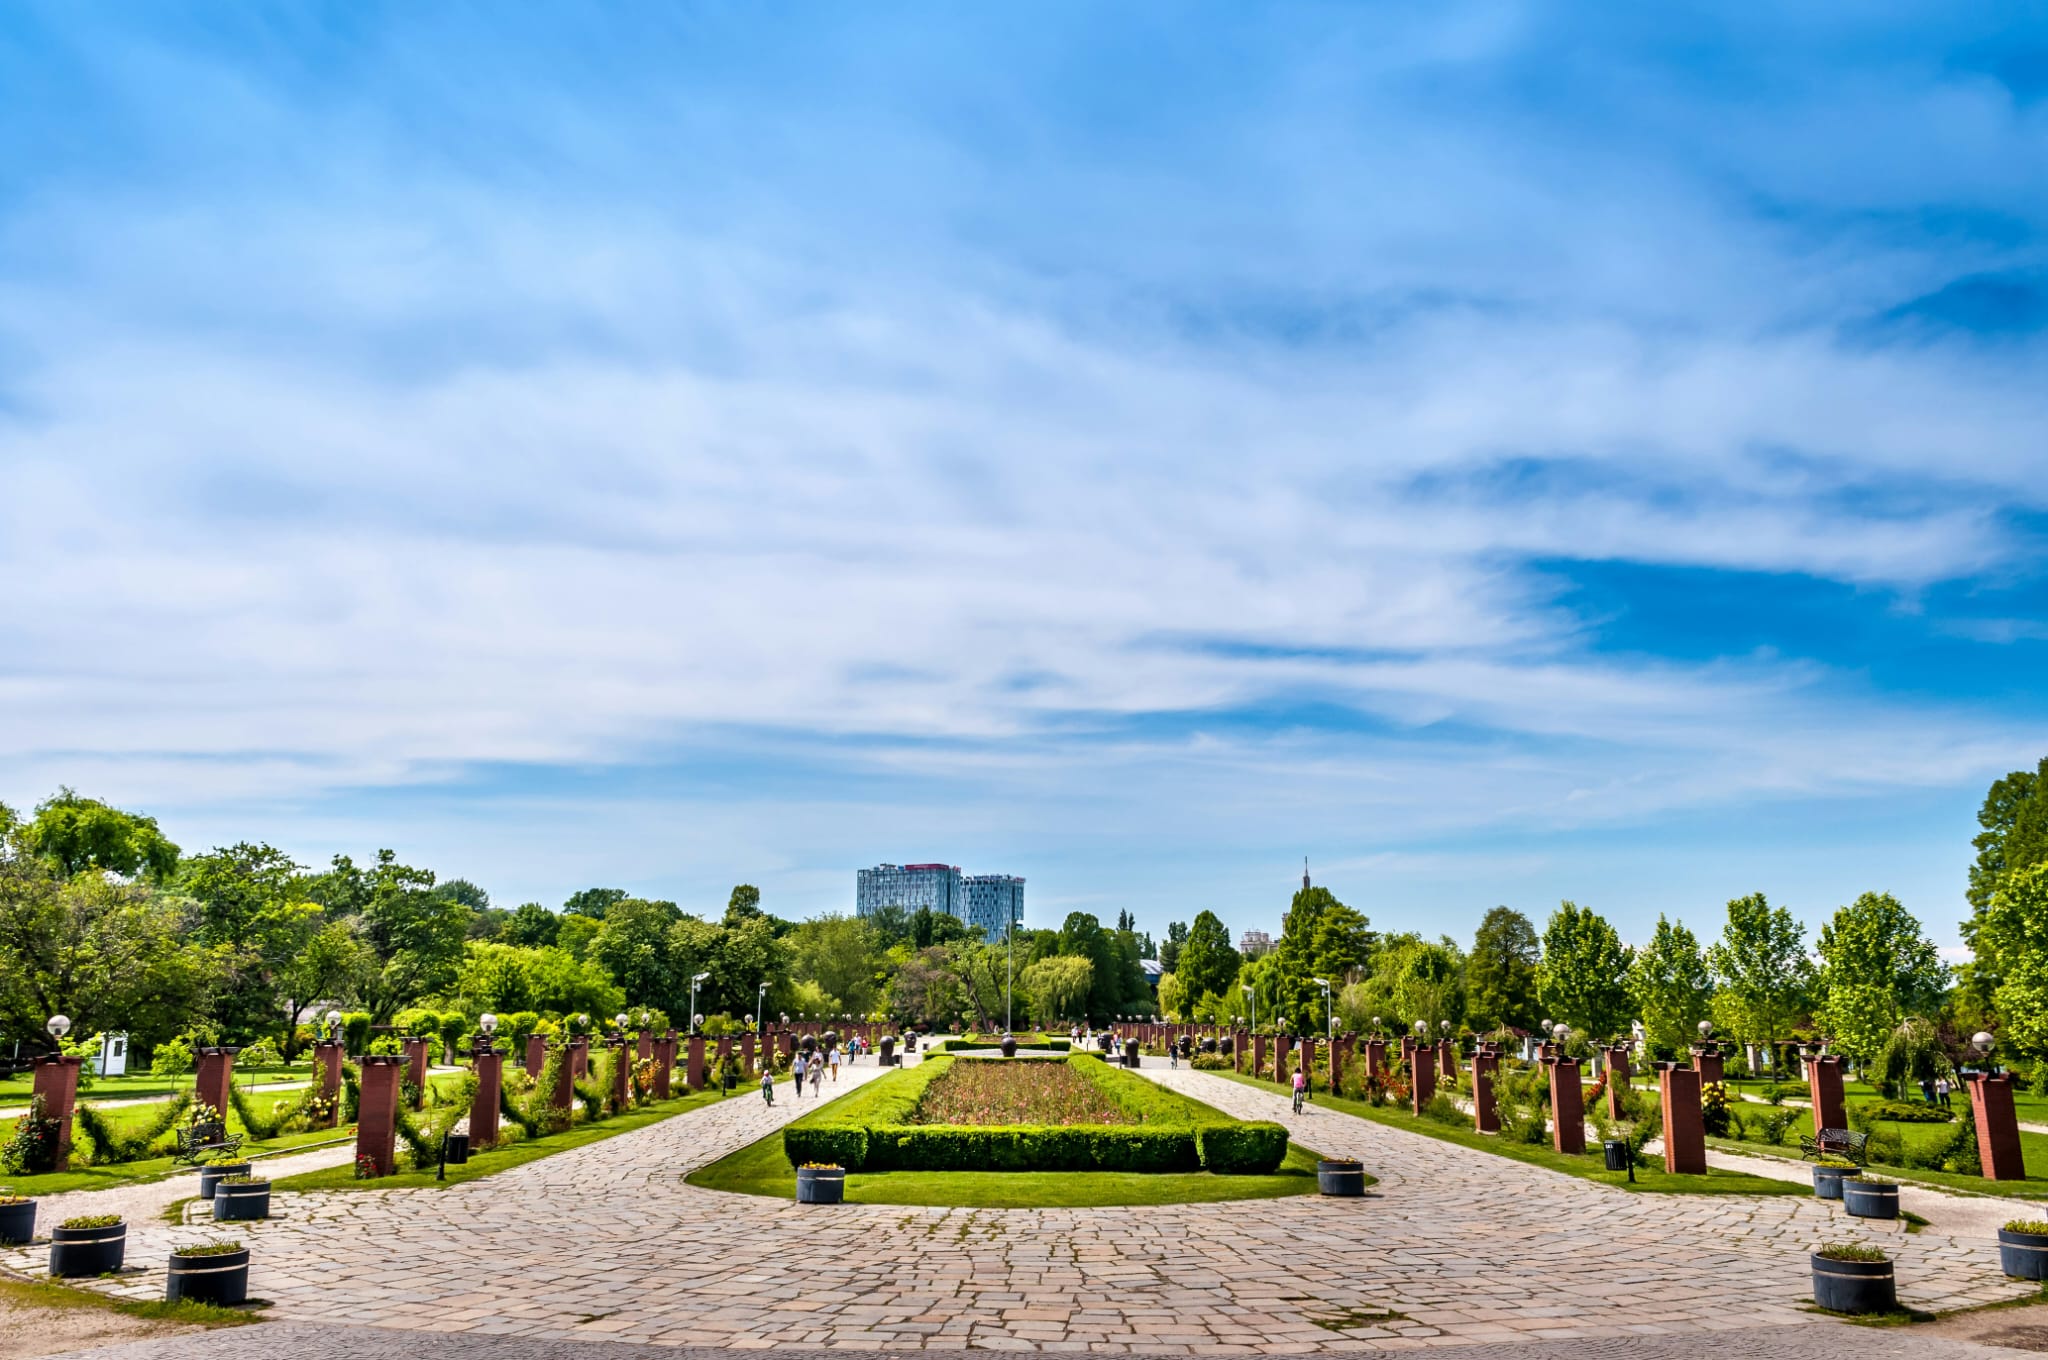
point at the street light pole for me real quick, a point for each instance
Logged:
(693, 1001)
(1255, 1006)
(1009, 966)
(760, 1007)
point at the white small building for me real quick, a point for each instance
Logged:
(113, 1056)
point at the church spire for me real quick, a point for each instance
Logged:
(1304, 873)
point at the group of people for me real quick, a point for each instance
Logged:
(1937, 1090)
(812, 1067)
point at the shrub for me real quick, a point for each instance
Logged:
(1850, 1251)
(1836, 1162)
(1243, 1149)
(355, 1031)
(262, 1053)
(1905, 1112)
(208, 1249)
(1031, 1147)
(110, 1148)
(32, 1149)
(843, 1144)
(1714, 1113)
(173, 1058)
(1440, 1110)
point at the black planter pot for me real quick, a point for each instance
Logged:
(241, 1201)
(77, 1253)
(210, 1176)
(17, 1222)
(1869, 1199)
(2024, 1256)
(1827, 1180)
(222, 1280)
(1344, 1179)
(458, 1149)
(1854, 1286)
(1009, 1048)
(820, 1186)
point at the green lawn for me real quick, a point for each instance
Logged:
(761, 1169)
(1651, 1178)
(15, 1091)
(48, 1294)
(155, 1169)
(509, 1155)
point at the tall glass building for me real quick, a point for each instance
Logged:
(983, 901)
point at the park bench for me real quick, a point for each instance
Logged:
(200, 1140)
(1835, 1143)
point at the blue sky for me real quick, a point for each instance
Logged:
(1498, 456)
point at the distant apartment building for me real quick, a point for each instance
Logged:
(986, 902)
(1253, 943)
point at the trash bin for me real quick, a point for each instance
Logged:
(1617, 1154)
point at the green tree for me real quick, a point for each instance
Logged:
(1174, 1002)
(744, 905)
(1319, 937)
(531, 925)
(1169, 952)
(1876, 969)
(74, 834)
(1207, 964)
(842, 955)
(255, 917)
(1582, 980)
(1500, 974)
(111, 955)
(593, 902)
(418, 938)
(2015, 926)
(1761, 974)
(2015, 836)
(632, 946)
(1670, 986)
(1059, 987)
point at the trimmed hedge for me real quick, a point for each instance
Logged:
(1905, 1112)
(1036, 1046)
(1255, 1149)
(870, 1130)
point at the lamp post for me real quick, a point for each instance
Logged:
(59, 1026)
(694, 1017)
(760, 1006)
(1009, 965)
(1329, 1011)
(1255, 1006)
(334, 1027)
(1981, 1041)
(486, 1025)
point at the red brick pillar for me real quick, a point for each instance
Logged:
(1567, 1105)
(1422, 1071)
(56, 1081)
(646, 1049)
(1337, 1047)
(1824, 1085)
(377, 1112)
(788, 1041)
(327, 1057)
(216, 1074)
(1258, 1055)
(724, 1051)
(1375, 1058)
(1308, 1059)
(579, 1057)
(622, 1074)
(1617, 1059)
(489, 1066)
(695, 1075)
(536, 1054)
(1408, 1049)
(564, 1094)
(1281, 1049)
(416, 1070)
(665, 1065)
(747, 1056)
(1707, 1061)
(1446, 1056)
(1685, 1130)
(1485, 1115)
(1998, 1129)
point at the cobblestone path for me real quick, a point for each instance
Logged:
(1456, 1247)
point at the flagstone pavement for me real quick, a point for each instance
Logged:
(1454, 1247)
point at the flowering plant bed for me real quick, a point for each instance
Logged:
(1017, 1093)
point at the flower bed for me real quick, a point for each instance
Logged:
(1144, 1129)
(1017, 1093)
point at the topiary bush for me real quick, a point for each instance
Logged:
(844, 1144)
(1243, 1149)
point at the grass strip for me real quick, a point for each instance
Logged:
(1590, 1166)
(509, 1155)
(37, 1294)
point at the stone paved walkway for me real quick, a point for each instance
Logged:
(1456, 1247)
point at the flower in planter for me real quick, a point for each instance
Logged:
(208, 1249)
(2032, 1227)
(1850, 1251)
(822, 1166)
(84, 1221)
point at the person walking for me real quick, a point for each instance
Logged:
(1941, 1091)
(817, 1073)
(834, 1064)
(1300, 1089)
(796, 1069)
(768, 1085)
